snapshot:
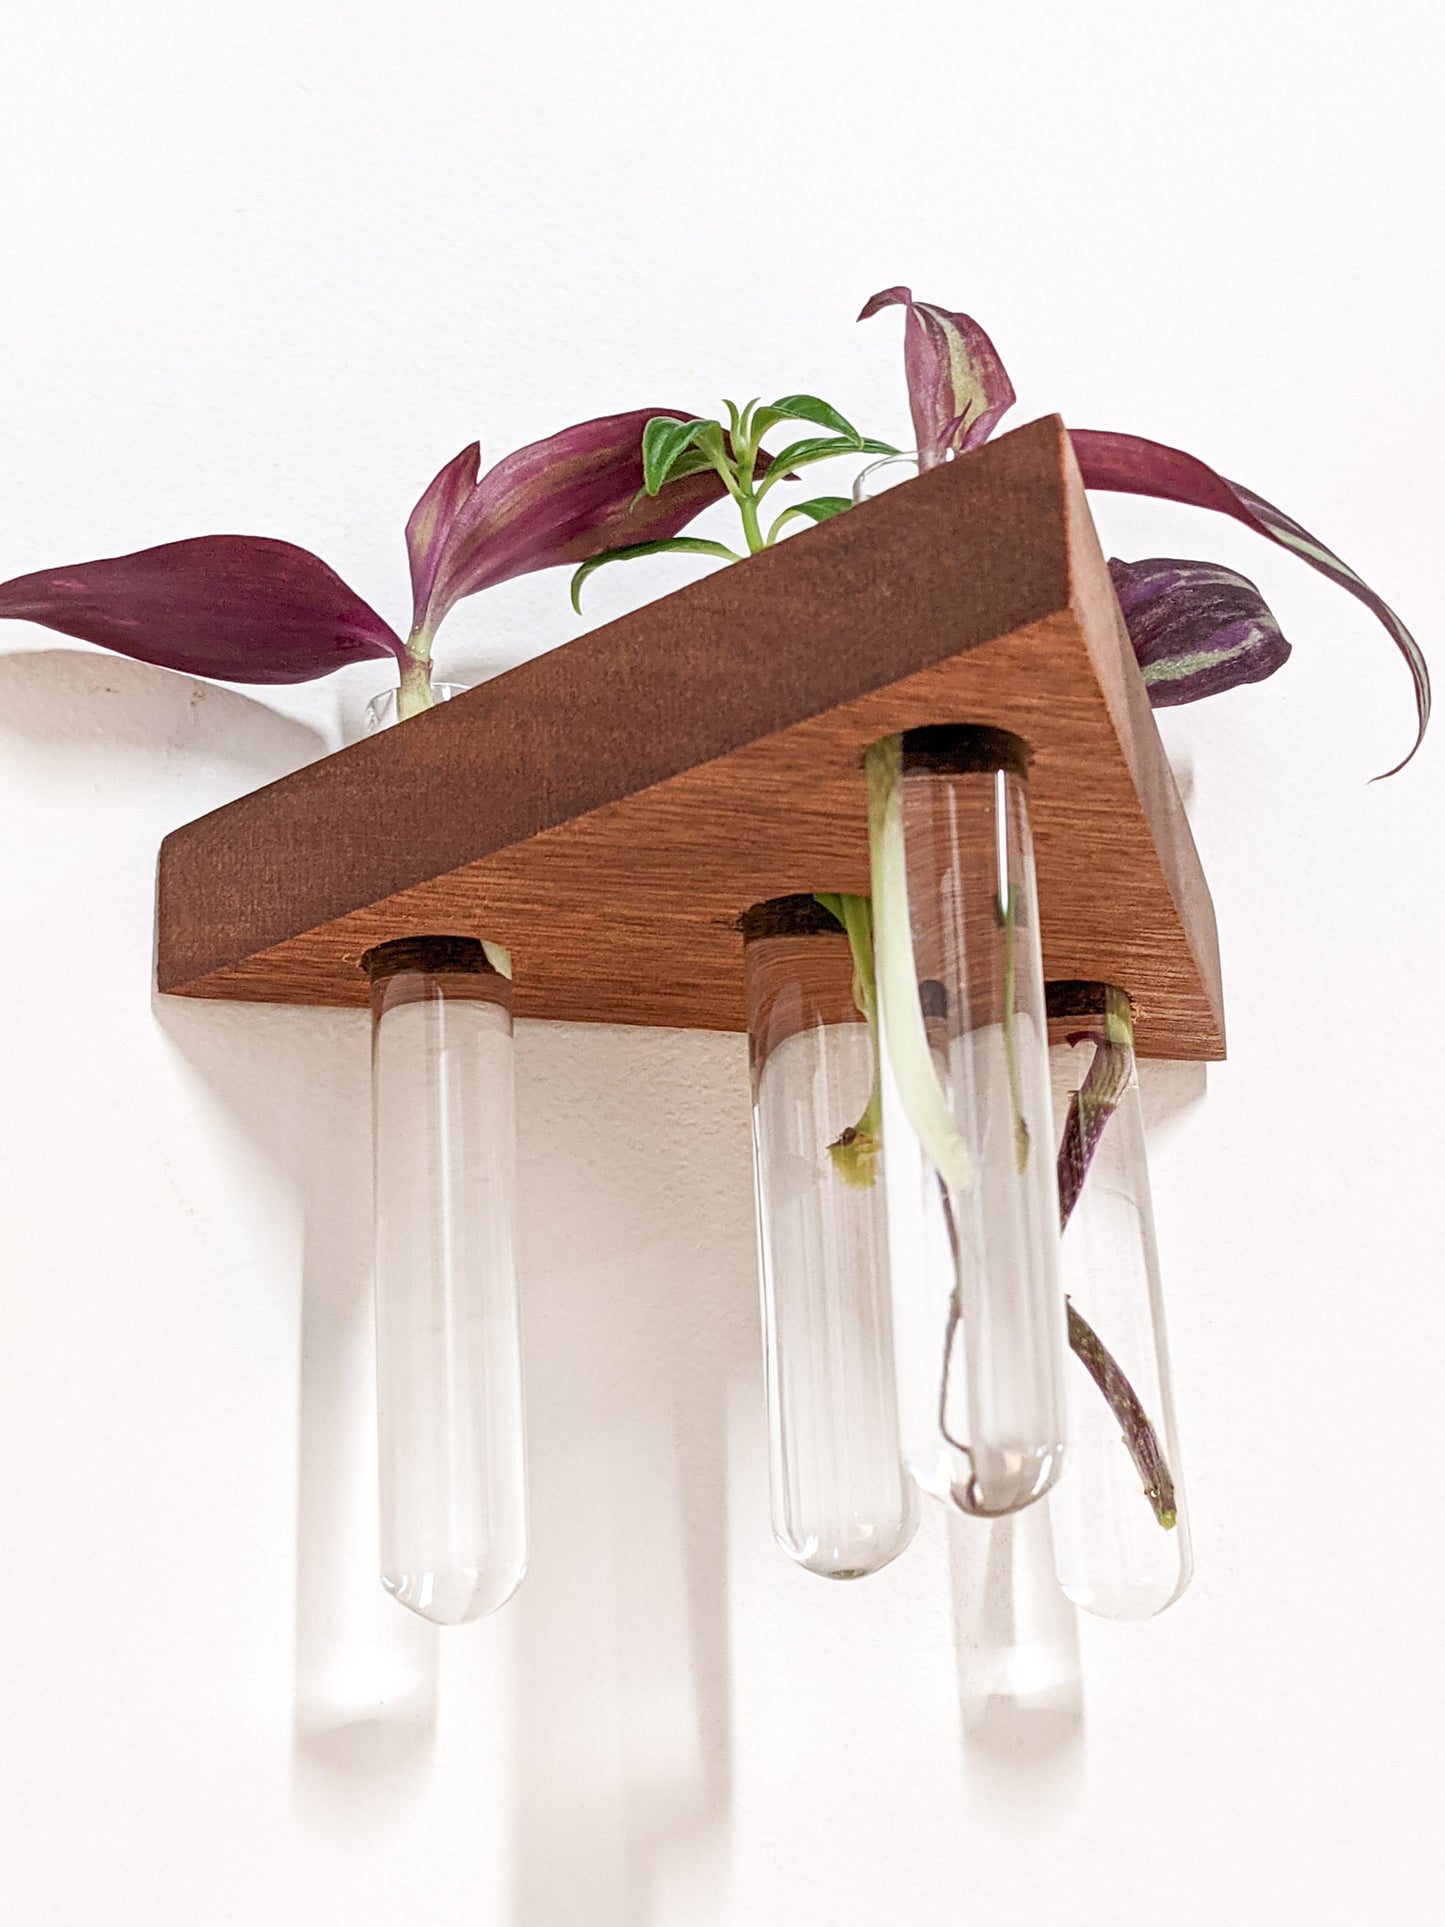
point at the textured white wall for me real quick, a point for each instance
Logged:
(266, 267)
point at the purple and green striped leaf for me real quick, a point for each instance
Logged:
(567, 498)
(240, 608)
(430, 524)
(1130, 465)
(958, 388)
(1197, 628)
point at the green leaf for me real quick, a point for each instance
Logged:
(677, 544)
(710, 438)
(743, 427)
(822, 448)
(808, 408)
(822, 508)
(664, 440)
(692, 461)
(818, 448)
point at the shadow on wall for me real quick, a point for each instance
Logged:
(1019, 1679)
(365, 1670)
(640, 1305)
(639, 1311)
(639, 1314)
(1019, 1676)
(1168, 1092)
(115, 712)
(306, 1108)
(365, 1673)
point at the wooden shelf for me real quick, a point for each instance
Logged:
(609, 808)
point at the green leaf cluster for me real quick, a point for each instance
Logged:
(673, 449)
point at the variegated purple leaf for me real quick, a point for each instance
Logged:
(1130, 465)
(240, 608)
(565, 499)
(958, 389)
(1197, 628)
(430, 524)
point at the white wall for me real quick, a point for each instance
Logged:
(266, 267)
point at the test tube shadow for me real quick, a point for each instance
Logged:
(365, 1673)
(639, 1309)
(1017, 1640)
(365, 1670)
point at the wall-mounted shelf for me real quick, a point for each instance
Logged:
(609, 808)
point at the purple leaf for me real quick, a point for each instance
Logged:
(564, 499)
(1130, 465)
(1197, 628)
(241, 608)
(958, 389)
(431, 522)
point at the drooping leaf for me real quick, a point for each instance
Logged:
(566, 498)
(240, 608)
(664, 441)
(430, 524)
(1197, 628)
(676, 545)
(1130, 465)
(958, 388)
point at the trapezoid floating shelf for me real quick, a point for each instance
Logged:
(608, 809)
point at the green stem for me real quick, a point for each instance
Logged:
(855, 1151)
(415, 691)
(752, 528)
(1006, 910)
(925, 1103)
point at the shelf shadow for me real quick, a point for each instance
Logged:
(109, 710)
(640, 1311)
(365, 1670)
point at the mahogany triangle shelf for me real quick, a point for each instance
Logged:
(608, 809)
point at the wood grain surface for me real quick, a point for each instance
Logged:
(608, 809)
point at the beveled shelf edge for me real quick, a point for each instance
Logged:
(608, 808)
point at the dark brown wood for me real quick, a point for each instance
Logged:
(608, 809)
